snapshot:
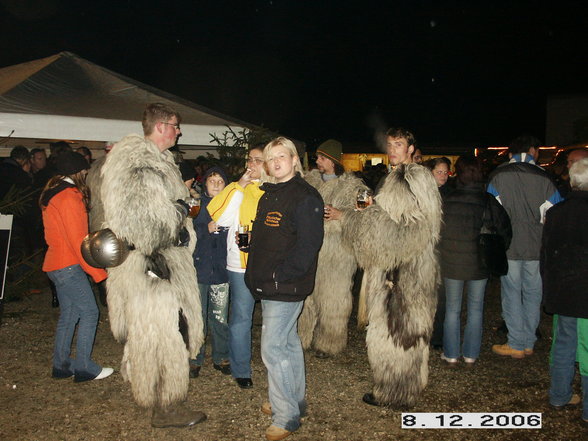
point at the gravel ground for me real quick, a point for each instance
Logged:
(33, 406)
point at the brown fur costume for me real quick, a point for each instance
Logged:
(394, 240)
(139, 188)
(323, 322)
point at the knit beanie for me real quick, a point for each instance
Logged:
(331, 149)
(69, 163)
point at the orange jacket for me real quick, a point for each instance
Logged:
(66, 224)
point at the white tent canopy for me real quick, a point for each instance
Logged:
(67, 97)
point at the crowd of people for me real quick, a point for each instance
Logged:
(294, 241)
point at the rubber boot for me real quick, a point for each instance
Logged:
(176, 415)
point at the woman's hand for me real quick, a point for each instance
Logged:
(246, 178)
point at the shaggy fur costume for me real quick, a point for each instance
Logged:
(139, 189)
(394, 240)
(94, 181)
(323, 322)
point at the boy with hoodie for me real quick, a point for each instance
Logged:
(210, 260)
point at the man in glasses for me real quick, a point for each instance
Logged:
(153, 298)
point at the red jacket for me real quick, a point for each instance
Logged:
(66, 224)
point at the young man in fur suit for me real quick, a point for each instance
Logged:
(153, 298)
(323, 322)
(394, 241)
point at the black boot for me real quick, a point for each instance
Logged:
(176, 415)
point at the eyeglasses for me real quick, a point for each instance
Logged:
(177, 126)
(256, 160)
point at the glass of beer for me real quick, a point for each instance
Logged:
(194, 205)
(243, 236)
(363, 198)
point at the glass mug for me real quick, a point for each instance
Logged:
(194, 205)
(363, 198)
(243, 236)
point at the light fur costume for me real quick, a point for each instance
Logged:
(323, 322)
(140, 186)
(94, 181)
(394, 241)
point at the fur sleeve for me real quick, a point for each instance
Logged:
(405, 220)
(139, 190)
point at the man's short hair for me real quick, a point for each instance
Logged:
(523, 144)
(399, 132)
(37, 150)
(157, 112)
(20, 153)
(579, 175)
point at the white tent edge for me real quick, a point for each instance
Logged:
(21, 125)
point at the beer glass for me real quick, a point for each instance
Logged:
(243, 236)
(363, 198)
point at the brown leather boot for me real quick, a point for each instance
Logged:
(176, 415)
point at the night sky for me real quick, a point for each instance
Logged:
(456, 73)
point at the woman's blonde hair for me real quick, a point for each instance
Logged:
(288, 145)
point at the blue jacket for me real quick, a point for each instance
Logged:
(210, 255)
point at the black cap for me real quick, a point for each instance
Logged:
(69, 163)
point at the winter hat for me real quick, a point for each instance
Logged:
(187, 171)
(219, 171)
(69, 163)
(331, 149)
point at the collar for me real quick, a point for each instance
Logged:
(522, 157)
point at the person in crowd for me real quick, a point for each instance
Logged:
(417, 156)
(14, 170)
(465, 210)
(324, 318)
(210, 260)
(526, 192)
(572, 156)
(38, 160)
(394, 241)
(236, 205)
(285, 241)
(86, 153)
(153, 297)
(564, 268)
(64, 203)
(440, 167)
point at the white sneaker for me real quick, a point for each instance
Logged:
(469, 360)
(447, 359)
(105, 372)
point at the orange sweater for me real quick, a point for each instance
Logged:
(66, 224)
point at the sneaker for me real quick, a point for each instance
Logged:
(468, 360)
(506, 350)
(275, 433)
(105, 372)
(528, 351)
(450, 361)
(574, 401)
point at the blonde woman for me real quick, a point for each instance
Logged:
(285, 240)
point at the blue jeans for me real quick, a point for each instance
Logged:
(521, 302)
(472, 336)
(77, 304)
(563, 364)
(240, 322)
(215, 311)
(282, 355)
